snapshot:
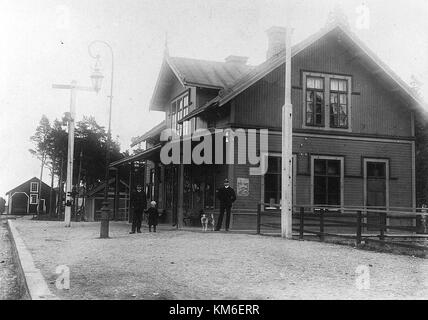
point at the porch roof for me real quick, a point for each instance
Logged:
(149, 134)
(145, 154)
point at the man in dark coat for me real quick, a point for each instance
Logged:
(227, 197)
(139, 204)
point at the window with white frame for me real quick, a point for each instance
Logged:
(327, 180)
(314, 101)
(34, 198)
(180, 109)
(34, 187)
(338, 103)
(327, 100)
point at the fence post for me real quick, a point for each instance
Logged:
(382, 218)
(359, 227)
(259, 206)
(302, 222)
(322, 224)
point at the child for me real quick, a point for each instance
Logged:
(153, 216)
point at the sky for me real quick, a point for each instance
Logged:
(45, 42)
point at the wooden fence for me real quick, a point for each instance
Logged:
(369, 224)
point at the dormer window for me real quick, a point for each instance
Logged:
(327, 101)
(180, 109)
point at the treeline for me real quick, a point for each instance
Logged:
(50, 142)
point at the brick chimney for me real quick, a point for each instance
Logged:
(276, 41)
(236, 59)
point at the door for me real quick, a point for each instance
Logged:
(376, 186)
(19, 203)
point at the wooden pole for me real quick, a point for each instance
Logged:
(286, 163)
(259, 217)
(70, 156)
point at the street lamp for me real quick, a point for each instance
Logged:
(97, 78)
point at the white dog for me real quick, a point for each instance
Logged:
(205, 221)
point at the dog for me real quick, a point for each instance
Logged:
(204, 222)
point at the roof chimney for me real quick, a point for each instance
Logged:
(236, 59)
(276, 41)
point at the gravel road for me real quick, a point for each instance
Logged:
(9, 288)
(174, 264)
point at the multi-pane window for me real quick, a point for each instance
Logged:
(180, 109)
(33, 198)
(338, 103)
(327, 181)
(34, 187)
(314, 101)
(327, 101)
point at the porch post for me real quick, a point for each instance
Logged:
(116, 196)
(180, 195)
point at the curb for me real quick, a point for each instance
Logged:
(30, 278)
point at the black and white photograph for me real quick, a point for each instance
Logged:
(230, 152)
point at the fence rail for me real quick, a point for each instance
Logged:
(350, 222)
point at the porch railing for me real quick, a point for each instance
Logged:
(362, 224)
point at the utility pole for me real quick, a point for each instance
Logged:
(287, 147)
(69, 184)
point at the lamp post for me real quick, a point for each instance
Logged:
(70, 118)
(96, 79)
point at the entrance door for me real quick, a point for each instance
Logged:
(19, 203)
(376, 190)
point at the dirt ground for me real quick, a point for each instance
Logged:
(9, 288)
(173, 264)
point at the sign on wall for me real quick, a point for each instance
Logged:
(243, 187)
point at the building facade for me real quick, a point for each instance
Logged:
(24, 199)
(353, 129)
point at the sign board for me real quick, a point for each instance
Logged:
(243, 187)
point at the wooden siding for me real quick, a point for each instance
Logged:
(353, 151)
(375, 109)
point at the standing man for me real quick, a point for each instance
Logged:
(139, 204)
(227, 197)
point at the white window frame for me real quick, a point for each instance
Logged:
(31, 198)
(34, 184)
(327, 77)
(188, 123)
(342, 176)
(262, 184)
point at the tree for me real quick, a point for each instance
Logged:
(2, 205)
(51, 146)
(41, 150)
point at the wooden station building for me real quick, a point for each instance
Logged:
(353, 128)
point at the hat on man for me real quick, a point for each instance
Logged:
(226, 181)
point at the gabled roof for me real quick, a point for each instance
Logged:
(35, 179)
(198, 73)
(363, 51)
(156, 130)
(208, 74)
